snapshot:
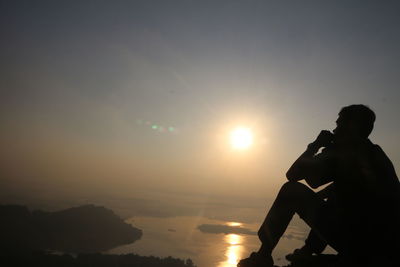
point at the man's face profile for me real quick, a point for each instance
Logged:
(339, 127)
(344, 129)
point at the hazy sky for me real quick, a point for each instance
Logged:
(83, 82)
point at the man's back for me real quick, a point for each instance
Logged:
(367, 190)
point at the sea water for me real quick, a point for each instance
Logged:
(180, 237)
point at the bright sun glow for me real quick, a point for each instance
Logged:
(241, 138)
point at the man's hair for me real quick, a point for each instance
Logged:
(361, 116)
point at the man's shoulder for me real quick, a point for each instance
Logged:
(377, 150)
(382, 160)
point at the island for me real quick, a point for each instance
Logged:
(83, 229)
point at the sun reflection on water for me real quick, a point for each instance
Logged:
(234, 223)
(234, 250)
(233, 239)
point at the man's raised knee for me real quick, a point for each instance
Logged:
(292, 187)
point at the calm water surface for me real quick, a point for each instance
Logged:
(179, 237)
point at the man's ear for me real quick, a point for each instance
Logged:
(354, 129)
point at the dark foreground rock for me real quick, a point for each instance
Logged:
(323, 260)
(328, 260)
(84, 229)
(43, 259)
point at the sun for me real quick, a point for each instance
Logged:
(241, 138)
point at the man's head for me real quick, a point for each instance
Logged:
(355, 122)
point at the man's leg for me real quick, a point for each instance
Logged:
(313, 244)
(292, 197)
(297, 198)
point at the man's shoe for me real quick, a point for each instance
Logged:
(299, 255)
(256, 260)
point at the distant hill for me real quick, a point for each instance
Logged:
(83, 229)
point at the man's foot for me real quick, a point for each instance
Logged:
(301, 254)
(256, 260)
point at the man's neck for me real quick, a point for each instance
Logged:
(351, 142)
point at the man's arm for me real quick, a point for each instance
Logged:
(307, 166)
(327, 191)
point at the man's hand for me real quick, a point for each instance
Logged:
(304, 167)
(324, 138)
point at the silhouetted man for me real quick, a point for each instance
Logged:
(361, 220)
